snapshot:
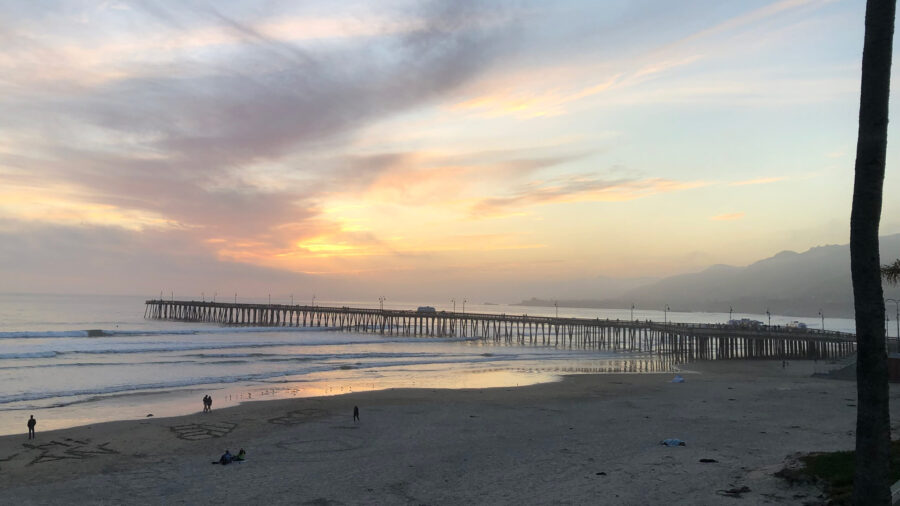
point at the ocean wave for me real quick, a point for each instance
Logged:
(93, 333)
(91, 364)
(34, 354)
(162, 346)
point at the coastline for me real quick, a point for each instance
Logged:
(585, 439)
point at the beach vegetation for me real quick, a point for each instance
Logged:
(835, 470)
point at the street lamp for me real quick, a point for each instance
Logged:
(235, 297)
(665, 314)
(464, 305)
(556, 305)
(632, 311)
(214, 295)
(381, 302)
(292, 299)
(823, 320)
(314, 300)
(770, 316)
(730, 312)
(270, 299)
(454, 304)
(202, 296)
(897, 316)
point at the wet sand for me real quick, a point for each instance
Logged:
(589, 439)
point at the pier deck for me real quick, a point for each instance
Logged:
(693, 341)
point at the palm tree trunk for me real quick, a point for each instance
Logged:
(872, 481)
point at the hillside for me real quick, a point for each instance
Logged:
(787, 283)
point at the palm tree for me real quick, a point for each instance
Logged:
(891, 272)
(871, 484)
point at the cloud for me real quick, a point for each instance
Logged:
(762, 180)
(93, 259)
(178, 143)
(727, 217)
(578, 189)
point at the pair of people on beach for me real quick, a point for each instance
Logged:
(31, 423)
(207, 403)
(228, 458)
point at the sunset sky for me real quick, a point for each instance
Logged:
(428, 149)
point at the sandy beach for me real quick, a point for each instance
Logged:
(588, 439)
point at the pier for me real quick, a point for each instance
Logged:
(686, 341)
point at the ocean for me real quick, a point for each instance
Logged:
(53, 368)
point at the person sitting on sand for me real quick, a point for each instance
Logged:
(226, 458)
(241, 455)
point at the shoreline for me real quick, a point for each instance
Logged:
(136, 404)
(586, 438)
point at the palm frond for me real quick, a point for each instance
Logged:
(891, 272)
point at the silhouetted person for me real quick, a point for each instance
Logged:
(205, 409)
(209, 403)
(31, 423)
(355, 413)
(226, 458)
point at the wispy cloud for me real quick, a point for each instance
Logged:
(578, 189)
(762, 180)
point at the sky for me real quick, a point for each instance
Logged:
(497, 149)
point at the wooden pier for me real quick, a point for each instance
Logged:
(686, 341)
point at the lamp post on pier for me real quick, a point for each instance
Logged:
(666, 315)
(556, 305)
(464, 305)
(823, 320)
(454, 304)
(770, 316)
(292, 299)
(730, 312)
(632, 311)
(381, 302)
(214, 295)
(202, 296)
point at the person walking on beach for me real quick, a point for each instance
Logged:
(355, 413)
(31, 423)
(209, 403)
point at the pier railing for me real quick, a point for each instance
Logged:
(690, 340)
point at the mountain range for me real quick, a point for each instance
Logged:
(788, 283)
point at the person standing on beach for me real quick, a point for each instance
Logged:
(209, 403)
(31, 423)
(355, 413)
